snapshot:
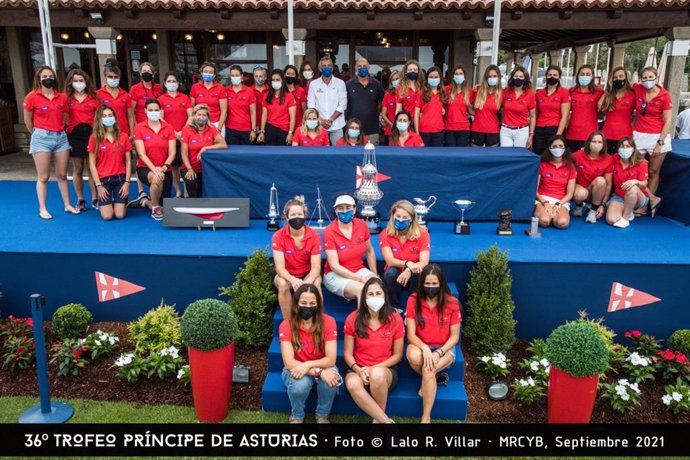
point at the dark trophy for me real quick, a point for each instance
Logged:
(505, 216)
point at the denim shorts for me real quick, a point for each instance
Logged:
(113, 184)
(48, 141)
(451, 351)
(618, 199)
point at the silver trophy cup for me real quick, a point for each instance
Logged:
(462, 227)
(369, 194)
(422, 208)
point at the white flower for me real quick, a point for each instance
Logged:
(625, 397)
(623, 382)
(545, 362)
(502, 365)
(534, 365)
(500, 356)
(677, 397)
(522, 382)
(620, 390)
(113, 340)
(97, 342)
(634, 387)
(530, 382)
(125, 359)
(485, 359)
(666, 399)
(180, 374)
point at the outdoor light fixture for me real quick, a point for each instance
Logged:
(64, 36)
(97, 16)
(119, 37)
(86, 35)
(220, 37)
(154, 36)
(188, 37)
(497, 390)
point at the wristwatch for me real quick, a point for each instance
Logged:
(167, 166)
(317, 372)
(660, 142)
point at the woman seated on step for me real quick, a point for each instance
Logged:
(309, 348)
(433, 329)
(556, 184)
(373, 347)
(296, 254)
(593, 182)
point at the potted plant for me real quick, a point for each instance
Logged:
(578, 354)
(209, 328)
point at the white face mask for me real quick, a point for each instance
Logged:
(649, 84)
(375, 303)
(235, 80)
(171, 86)
(595, 148)
(153, 115)
(308, 74)
(276, 85)
(557, 152)
(79, 86)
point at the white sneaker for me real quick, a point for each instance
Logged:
(577, 210)
(591, 217)
(630, 217)
(622, 223)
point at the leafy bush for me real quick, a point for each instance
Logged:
(101, 344)
(538, 349)
(673, 364)
(18, 353)
(253, 299)
(680, 340)
(578, 349)
(16, 327)
(209, 324)
(163, 363)
(639, 368)
(527, 391)
(624, 396)
(71, 321)
(490, 325)
(495, 366)
(644, 344)
(184, 375)
(130, 367)
(157, 329)
(539, 369)
(70, 356)
(677, 397)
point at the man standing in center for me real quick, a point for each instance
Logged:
(364, 97)
(328, 96)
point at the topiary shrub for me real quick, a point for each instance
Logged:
(157, 329)
(490, 325)
(208, 324)
(253, 299)
(71, 321)
(617, 353)
(578, 349)
(680, 341)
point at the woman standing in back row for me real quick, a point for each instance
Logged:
(519, 111)
(486, 102)
(553, 110)
(584, 109)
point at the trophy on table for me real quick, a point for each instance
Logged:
(505, 216)
(462, 227)
(369, 194)
(422, 208)
(321, 210)
(273, 214)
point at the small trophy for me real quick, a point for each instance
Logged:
(369, 194)
(462, 227)
(272, 224)
(321, 210)
(533, 230)
(422, 208)
(505, 216)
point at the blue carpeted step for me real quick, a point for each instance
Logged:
(403, 401)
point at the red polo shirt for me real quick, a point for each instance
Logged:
(239, 103)
(350, 251)
(195, 141)
(413, 140)
(278, 114)
(120, 105)
(305, 140)
(155, 143)
(456, 112)
(83, 112)
(430, 113)
(653, 119)
(618, 121)
(378, 346)
(554, 180)
(307, 351)
(300, 98)
(47, 113)
(583, 113)
(209, 96)
(486, 118)
(549, 106)
(342, 142)
(175, 109)
(410, 250)
(389, 103)
(408, 101)
(433, 333)
(639, 172)
(297, 261)
(516, 109)
(140, 94)
(589, 168)
(260, 97)
(111, 155)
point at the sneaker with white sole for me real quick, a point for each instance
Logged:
(578, 210)
(630, 217)
(591, 217)
(157, 213)
(622, 223)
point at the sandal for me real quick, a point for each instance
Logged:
(654, 208)
(71, 210)
(322, 420)
(295, 421)
(45, 215)
(81, 206)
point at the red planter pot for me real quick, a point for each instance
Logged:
(571, 399)
(212, 382)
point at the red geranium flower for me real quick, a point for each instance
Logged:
(77, 354)
(667, 355)
(681, 358)
(20, 350)
(30, 321)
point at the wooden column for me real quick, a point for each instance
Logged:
(675, 80)
(580, 55)
(22, 73)
(165, 61)
(483, 37)
(462, 54)
(105, 33)
(617, 54)
(534, 68)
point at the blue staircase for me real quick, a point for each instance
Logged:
(403, 401)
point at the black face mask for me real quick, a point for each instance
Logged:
(147, 77)
(291, 80)
(552, 80)
(296, 222)
(307, 313)
(432, 292)
(518, 82)
(48, 82)
(619, 84)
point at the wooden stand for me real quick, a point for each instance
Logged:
(462, 228)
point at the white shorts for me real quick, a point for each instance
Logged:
(552, 200)
(336, 283)
(646, 142)
(221, 130)
(514, 137)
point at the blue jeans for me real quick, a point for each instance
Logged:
(394, 288)
(298, 390)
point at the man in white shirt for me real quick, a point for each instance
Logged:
(329, 97)
(683, 124)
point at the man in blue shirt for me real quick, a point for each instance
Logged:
(364, 97)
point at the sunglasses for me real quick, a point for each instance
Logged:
(260, 67)
(643, 108)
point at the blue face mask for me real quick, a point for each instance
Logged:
(459, 79)
(402, 224)
(434, 82)
(492, 81)
(362, 72)
(395, 83)
(208, 77)
(402, 126)
(584, 80)
(108, 122)
(312, 124)
(327, 72)
(346, 216)
(353, 133)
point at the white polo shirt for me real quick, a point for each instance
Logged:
(327, 99)
(683, 124)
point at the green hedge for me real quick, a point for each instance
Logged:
(71, 321)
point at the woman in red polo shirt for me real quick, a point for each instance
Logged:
(457, 127)
(45, 114)
(519, 111)
(372, 349)
(261, 88)
(653, 124)
(630, 180)
(556, 185)
(198, 136)
(307, 74)
(308, 346)
(433, 320)
(144, 90)
(176, 108)
(241, 126)
(154, 141)
(584, 108)
(82, 103)
(405, 246)
(402, 134)
(353, 134)
(110, 162)
(311, 134)
(345, 241)
(278, 119)
(553, 110)
(593, 183)
(211, 93)
(296, 254)
(388, 106)
(617, 105)
(430, 109)
(411, 83)
(298, 92)
(486, 102)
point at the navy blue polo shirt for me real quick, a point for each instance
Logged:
(363, 102)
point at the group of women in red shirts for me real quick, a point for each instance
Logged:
(374, 332)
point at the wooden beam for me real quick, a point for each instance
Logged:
(323, 15)
(178, 14)
(80, 13)
(516, 15)
(616, 14)
(226, 14)
(274, 14)
(130, 14)
(565, 14)
(467, 15)
(371, 15)
(418, 15)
